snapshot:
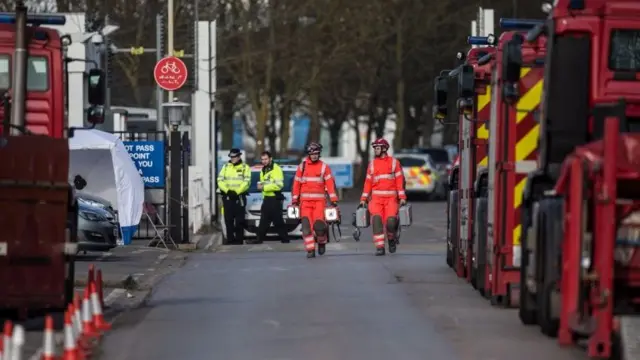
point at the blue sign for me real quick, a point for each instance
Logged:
(343, 174)
(149, 159)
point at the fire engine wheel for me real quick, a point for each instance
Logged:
(453, 229)
(481, 238)
(527, 309)
(551, 250)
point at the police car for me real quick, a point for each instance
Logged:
(254, 203)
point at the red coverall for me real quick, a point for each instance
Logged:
(385, 185)
(311, 182)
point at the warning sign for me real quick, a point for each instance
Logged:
(170, 73)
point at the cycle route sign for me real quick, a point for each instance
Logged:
(170, 73)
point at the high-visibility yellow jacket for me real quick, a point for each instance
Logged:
(272, 179)
(235, 178)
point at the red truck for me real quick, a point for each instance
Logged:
(580, 269)
(38, 210)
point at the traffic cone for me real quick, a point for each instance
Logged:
(49, 350)
(6, 339)
(88, 330)
(77, 322)
(100, 287)
(71, 351)
(90, 276)
(99, 322)
(18, 340)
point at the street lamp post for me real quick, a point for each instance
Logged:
(175, 115)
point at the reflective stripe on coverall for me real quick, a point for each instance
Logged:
(384, 184)
(312, 181)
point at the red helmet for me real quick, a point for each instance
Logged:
(381, 142)
(314, 148)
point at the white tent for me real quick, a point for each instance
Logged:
(102, 160)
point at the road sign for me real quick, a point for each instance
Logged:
(170, 73)
(342, 170)
(148, 156)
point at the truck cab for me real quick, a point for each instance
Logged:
(45, 106)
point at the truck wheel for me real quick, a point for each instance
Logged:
(70, 279)
(453, 229)
(527, 307)
(554, 216)
(481, 238)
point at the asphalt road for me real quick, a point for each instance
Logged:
(269, 302)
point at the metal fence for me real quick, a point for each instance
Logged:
(156, 196)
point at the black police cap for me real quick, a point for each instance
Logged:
(235, 152)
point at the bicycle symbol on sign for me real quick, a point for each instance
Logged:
(170, 66)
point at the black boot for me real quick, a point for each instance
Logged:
(311, 254)
(392, 246)
(380, 252)
(321, 249)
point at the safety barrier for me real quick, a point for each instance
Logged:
(199, 213)
(84, 325)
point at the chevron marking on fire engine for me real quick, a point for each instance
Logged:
(528, 132)
(484, 102)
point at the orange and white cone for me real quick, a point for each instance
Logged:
(17, 341)
(99, 322)
(77, 322)
(6, 339)
(88, 330)
(48, 350)
(76, 327)
(70, 347)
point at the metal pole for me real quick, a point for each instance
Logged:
(159, 115)
(107, 84)
(175, 190)
(170, 35)
(20, 72)
(185, 187)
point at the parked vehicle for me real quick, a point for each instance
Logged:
(421, 177)
(254, 203)
(98, 228)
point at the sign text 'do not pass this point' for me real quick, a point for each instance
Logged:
(170, 73)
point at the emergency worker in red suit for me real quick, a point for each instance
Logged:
(384, 186)
(313, 180)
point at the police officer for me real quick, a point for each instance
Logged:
(234, 180)
(271, 184)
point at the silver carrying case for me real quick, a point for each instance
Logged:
(405, 215)
(362, 217)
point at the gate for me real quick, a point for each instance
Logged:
(149, 150)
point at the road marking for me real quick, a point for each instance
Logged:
(104, 256)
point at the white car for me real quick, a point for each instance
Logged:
(420, 175)
(254, 203)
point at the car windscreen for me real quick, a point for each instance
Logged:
(624, 53)
(408, 162)
(288, 181)
(438, 156)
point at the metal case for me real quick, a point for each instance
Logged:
(363, 218)
(405, 215)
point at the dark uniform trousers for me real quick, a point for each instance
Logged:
(271, 212)
(234, 213)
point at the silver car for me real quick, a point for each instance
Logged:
(98, 229)
(254, 204)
